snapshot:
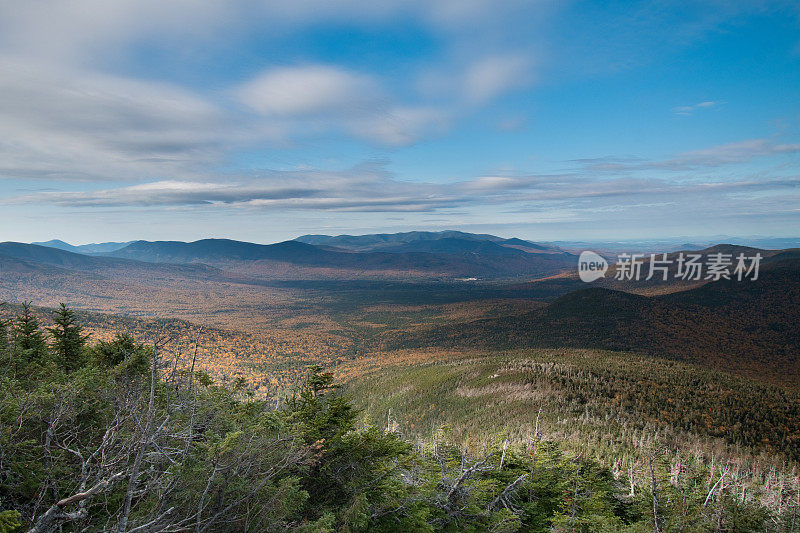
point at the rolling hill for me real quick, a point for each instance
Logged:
(35, 256)
(57, 256)
(213, 250)
(742, 326)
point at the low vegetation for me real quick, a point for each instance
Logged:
(697, 429)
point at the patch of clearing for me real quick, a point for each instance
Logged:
(511, 391)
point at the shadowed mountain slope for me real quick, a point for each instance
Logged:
(43, 255)
(745, 326)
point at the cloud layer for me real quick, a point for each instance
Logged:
(371, 188)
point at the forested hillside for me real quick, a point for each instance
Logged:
(116, 436)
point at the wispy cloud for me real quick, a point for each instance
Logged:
(687, 110)
(480, 79)
(371, 188)
(492, 76)
(73, 125)
(713, 157)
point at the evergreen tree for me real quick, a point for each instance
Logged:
(68, 340)
(3, 333)
(9, 521)
(28, 338)
(122, 353)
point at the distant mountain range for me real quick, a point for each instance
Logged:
(184, 277)
(452, 241)
(449, 254)
(417, 254)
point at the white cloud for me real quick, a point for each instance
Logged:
(495, 183)
(492, 76)
(307, 89)
(400, 125)
(330, 99)
(71, 124)
(478, 81)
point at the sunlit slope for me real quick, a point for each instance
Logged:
(608, 401)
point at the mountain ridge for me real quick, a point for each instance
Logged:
(397, 241)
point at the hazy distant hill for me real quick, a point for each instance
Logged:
(444, 241)
(55, 256)
(43, 258)
(49, 276)
(16, 268)
(451, 245)
(210, 250)
(677, 244)
(94, 248)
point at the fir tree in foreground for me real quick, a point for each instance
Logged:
(29, 341)
(68, 339)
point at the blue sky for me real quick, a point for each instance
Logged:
(262, 121)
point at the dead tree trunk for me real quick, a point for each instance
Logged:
(52, 520)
